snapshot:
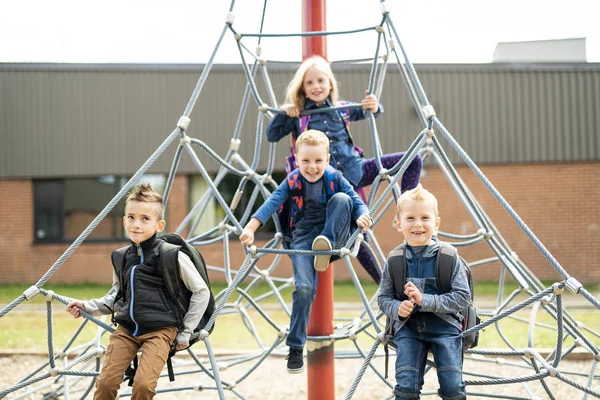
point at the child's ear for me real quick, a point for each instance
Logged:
(396, 224)
(437, 224)
(161, 225)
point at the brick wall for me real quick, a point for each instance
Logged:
(16, 235)
(559, 202)
(89, 263)
(28, 262)
(178, 203)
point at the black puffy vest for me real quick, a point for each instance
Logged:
(147, 304)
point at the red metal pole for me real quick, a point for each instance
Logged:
(313, 20)
(321, 371)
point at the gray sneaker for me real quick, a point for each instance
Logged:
(321, 243)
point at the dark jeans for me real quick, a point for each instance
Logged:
(421, 333)
(337, 230)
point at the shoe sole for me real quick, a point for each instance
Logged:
(321, 262)
(295, 371)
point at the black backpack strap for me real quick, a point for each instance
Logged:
(118, 261)
(397, 268)
(387, 357)
(169, 262)
(118, 258)
(172, 352)
(444, 265)
(170, 370)
(131, 370)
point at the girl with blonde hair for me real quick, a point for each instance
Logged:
(314, 87)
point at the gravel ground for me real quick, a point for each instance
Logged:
(271, 381)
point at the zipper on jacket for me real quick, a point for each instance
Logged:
(141, 254)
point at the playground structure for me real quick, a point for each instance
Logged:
(76, 377)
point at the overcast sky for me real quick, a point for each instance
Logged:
(186, 31)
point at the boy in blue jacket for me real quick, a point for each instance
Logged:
(324, 208)
(424, 318)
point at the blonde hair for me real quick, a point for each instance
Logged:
(295, 91)
(144, 193)
(312, 137)
(417, 194)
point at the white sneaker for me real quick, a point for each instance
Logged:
(321, 243)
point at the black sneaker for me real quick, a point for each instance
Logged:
(295, 361)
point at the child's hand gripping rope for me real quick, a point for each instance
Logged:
(364, 222)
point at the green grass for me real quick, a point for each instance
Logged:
(343, 291)
(517, 331)
(28, 330)
(25, 328)
(9, 292)
(490, 289)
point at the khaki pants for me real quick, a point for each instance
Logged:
(122, 348)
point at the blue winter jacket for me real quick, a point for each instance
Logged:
(343, 155)
(422, 271)
(282, 194)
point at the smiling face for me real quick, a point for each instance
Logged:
(141, 220)
(312, 160)
(316, 85)
(418, 221)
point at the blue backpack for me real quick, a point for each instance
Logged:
(291, 211)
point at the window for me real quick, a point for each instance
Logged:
(64, 208)
(214, 213)
(48, 209)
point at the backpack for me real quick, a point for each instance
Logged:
(169, 253)
(291, 211)
(444, 264)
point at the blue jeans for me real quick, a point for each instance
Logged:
(421, 333)
(337, 230)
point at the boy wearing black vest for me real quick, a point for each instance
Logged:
(323, 210)
(147, 316)
(424, 318)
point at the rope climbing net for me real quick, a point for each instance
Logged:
(72, 371)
